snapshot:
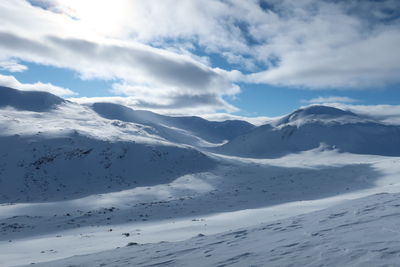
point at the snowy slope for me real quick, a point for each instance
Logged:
(363, 232)
(39, 168)
(238, 193)
(308, 128)
(53, 150)
(318, 113)
(177, 129)
(78, 179)
(28, 100)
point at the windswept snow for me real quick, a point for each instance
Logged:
(78, 179)
(239, 193)
(363, 232)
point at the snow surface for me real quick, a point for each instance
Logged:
(78, 179)
(363, 232)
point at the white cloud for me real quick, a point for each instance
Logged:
(260, 120)
(202, 111)
(385, 113)
(184, 106)
(330, 99)
(302, 43)
(323, 45)
(12, 66)
(148, 48)
(10, 81)
(165, 75)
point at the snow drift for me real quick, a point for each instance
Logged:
(362, 232)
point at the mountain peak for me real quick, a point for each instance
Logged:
(316, 112)
(37, 101)
(323, 110)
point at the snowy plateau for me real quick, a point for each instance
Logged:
(102, 184)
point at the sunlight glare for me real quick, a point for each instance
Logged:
(104, 17)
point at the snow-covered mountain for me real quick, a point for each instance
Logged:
(83, 179)
(314, 126)
(28, 100)
(177, 129)
(52, 149)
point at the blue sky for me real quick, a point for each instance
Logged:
(246, 58)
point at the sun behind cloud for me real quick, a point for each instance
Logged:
(102, 17)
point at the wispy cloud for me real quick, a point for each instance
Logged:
(329, 99)
(259, 120)
(329, 44)
(386, 113)
(12, 66)
(11, 81)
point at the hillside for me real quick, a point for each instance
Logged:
(312, 127)
(39, 168)
(28, 100)
(83, 179)
(177, 129)
(62, 150)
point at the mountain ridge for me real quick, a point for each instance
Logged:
(37, 101)
(311, 127)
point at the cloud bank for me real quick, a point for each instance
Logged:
(10, 81)
(330, 99)
(12, 66)
(161, 54)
